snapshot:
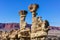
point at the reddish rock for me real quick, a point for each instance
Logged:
(9, 26)
(2, 25)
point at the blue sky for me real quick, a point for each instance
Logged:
(48, 9)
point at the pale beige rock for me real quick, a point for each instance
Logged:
(11, 39)
(13, 34)
(24, 32)
(38, 31)
(22, 19)
(39, 27)
(39, 24)
(33, 8)
(43, 38)
(19, 35)
(4, 35)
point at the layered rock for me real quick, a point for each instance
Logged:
(16, 25)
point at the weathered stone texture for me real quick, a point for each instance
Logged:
(39, 28)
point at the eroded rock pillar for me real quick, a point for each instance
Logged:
(33, 8)
(22, 19)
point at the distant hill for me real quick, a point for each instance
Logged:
(9, 26)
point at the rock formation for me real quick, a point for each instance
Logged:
(38, 31)
(39, 27)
